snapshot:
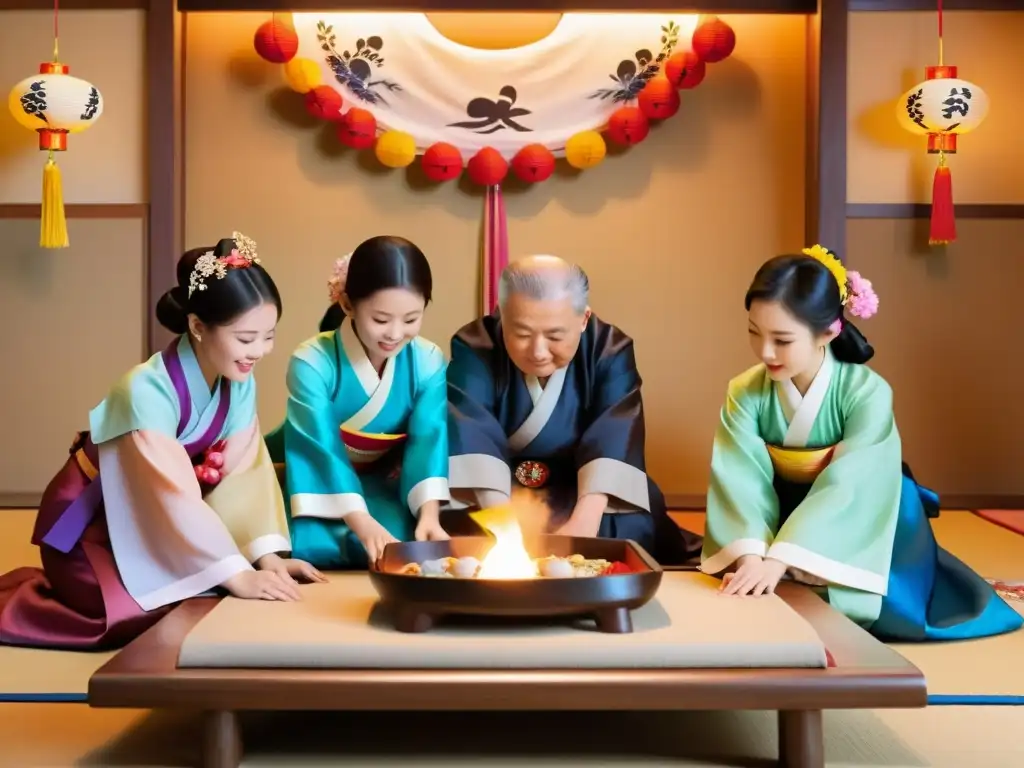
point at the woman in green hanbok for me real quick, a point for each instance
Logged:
(807, 472)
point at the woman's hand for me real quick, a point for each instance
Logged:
(371, 534)
(262, 585)
(753, 576)
(428, 526)
(289, 569)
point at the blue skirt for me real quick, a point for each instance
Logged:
(931, 596)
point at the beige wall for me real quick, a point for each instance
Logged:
(72, 318)
(947, 332)
(670, 233)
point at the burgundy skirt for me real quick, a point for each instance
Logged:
(76, 601)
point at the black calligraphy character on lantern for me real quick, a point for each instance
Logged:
(91, 106)
(33, 101)
(958, 102)
(493, 116)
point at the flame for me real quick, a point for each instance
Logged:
(508, 558)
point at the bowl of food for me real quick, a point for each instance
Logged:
(541, 576)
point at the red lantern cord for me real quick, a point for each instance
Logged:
(940, 33)
(942, 229)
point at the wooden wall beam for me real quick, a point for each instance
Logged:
(522, 6)
(825, 194)
(77, 210)
(931, 6)
(924, 210)
(165, 59)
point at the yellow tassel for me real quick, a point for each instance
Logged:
(53, 227)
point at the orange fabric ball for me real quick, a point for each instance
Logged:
(533, 163)
(659, 99)
(685, 69)
(276, 41)
(487, 167)
(628, 125)
(442, 162)
(713, 40)
(324, 102)
(357, 129)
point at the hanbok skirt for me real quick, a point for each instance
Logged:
(931, 595)
(77, 600)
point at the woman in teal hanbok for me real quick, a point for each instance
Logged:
(364, 442)
(807, 475)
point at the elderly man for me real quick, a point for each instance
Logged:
(543, 395)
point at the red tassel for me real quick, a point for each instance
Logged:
(943, 228)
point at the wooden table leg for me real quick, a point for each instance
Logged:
(222, 740)
(801, 739)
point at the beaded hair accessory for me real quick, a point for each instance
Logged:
(336, 282)
(855, 293)
(208, 265)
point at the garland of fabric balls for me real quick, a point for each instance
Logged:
(713, 41)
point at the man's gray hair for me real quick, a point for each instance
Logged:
(547, 283)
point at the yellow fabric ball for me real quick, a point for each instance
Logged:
(302, 75)
(395, 149)
(585, 149)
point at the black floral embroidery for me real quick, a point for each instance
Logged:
(493, 116)
(33, 101)
(91, 106)
(353, 70)
(914, 111)
(632, 75)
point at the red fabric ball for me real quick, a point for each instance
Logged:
(442, 162)
(628, 125)
(357, 129)
(487, 167)
(659, 99)
(324, 103)
(685, 69)
(276, 41)
(713, 40)
(533, 163)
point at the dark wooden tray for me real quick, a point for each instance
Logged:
(417, 602)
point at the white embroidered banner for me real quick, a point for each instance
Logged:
(401, 69)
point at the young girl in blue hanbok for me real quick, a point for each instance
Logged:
(364, 441)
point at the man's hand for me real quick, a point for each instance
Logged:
(585, 521)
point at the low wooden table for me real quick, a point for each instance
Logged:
(866, 675)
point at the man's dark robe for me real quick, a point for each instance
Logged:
(582, 432)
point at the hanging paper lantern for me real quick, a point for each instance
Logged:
(357, 129)
(533, 163)
(628, 126)
(941, 108)
(713, 40)
(324, 103)
(442, 162)
(276, 41)
(54, 104)
(302, 75)
(685, 69)
(487, 167)
(659, 99)
(585, 149)
(395, 149)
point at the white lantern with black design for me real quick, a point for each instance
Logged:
(54, 105)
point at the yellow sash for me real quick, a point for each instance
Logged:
(800, 465)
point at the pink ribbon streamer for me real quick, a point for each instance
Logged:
(495, 250)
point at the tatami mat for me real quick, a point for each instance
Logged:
(974, 669)
(945, 737)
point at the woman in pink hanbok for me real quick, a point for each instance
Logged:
(170, 493)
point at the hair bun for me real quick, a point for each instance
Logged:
(171, 310)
